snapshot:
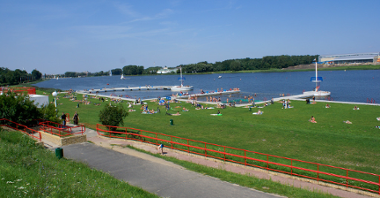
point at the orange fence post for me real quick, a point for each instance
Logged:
(318, 172)
(291, 167)
(225, 153)
(205, 149)
(267, 162)
(346, 178)
(245, 156)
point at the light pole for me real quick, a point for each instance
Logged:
(55, 100)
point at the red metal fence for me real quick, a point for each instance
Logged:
(19, 127)
(29, 90)
(60, 130)
(316, 171)
(46, 126)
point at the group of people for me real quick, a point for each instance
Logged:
(64, 118)
(312, 119)
(286, 104)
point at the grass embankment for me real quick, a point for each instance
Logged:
(29, 170)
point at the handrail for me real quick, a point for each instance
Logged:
(59, 129)
(332, 175)
(24, 128)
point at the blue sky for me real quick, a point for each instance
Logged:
(98, 35)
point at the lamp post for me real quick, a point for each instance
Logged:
(55, 95)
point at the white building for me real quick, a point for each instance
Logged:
(166, 70)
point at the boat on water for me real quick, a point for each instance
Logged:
(220, 77)
(181, 87)
(316, 92)
(122, 77)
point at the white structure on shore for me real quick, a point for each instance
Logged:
(166, 70)
(359, 58)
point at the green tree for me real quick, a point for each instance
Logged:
(48, 112)
(36, 74)
(113, 115)
(18, 108)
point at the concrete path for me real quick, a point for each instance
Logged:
(156, 175)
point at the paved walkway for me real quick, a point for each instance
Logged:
(169, 180)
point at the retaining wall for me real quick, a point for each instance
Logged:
(63, 141)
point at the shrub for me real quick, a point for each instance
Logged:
(112, 115)
(18, 108)
(49, 113)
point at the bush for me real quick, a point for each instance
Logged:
(112, 115)
(18, 108)
(49, 113)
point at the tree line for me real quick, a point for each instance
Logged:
(265, 63)
(9, 77)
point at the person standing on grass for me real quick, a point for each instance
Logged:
(63, 117)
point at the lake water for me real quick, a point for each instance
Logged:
(350, 86)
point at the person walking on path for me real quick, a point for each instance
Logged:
(76, 118)
(161, 148)
(63, 117)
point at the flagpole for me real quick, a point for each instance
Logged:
(316, 75)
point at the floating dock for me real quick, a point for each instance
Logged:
(95, 91)
(206, 94)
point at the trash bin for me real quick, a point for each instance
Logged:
(59, 153)
(171, 121)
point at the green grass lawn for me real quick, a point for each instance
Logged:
(29, 170)
(283, 132)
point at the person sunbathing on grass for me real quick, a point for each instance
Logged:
(347, 122)
(258, 112)
(312, 120)
(327, 106)
(184, 109)
(356, 108)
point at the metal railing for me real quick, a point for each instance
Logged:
(311, 170)
(29, 90)
(61, 130)
(19, 127)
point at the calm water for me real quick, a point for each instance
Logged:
(351, 86)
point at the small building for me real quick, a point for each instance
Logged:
(166, 70)
(359, 58)
(39, 100)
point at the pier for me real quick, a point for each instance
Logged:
(94, 91)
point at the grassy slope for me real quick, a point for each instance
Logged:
(279, 132)
(28, 170)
